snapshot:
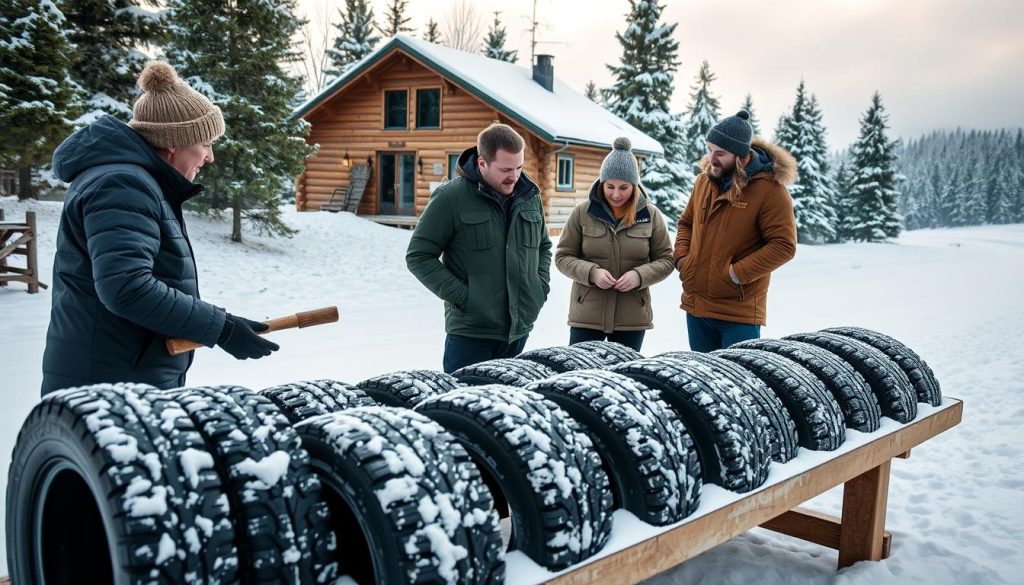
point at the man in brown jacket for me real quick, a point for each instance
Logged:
(737, 228)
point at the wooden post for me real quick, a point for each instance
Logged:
(863, 523)
(33, 259)
(3, 259)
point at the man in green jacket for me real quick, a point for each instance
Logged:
(482, 247)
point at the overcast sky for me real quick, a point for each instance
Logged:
(937, 63)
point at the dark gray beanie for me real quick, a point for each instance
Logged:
(733, 133)
(620, 163)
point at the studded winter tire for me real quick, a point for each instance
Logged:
(407, 503)
(646, 450)
(114, 484)
(732, 440)
(539, 464)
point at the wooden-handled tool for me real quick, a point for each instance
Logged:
(177, 346)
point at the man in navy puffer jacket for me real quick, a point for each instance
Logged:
(124, 276)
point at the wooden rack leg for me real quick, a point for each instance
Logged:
(863, 522)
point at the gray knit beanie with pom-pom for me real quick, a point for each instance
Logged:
(169, 113)
(621, 163)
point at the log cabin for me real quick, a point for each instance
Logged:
(404, 113)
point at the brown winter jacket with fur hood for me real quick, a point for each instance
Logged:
(755, 234)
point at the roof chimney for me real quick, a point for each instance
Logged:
(544, 72)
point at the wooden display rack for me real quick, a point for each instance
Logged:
(859, 535)
(24, 243)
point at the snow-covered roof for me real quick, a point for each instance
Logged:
(563, 115)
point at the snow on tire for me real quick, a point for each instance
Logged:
(732, 440)
(541, 464)
(819, 420)
(301, 400)
(408, 388)
(916, 369)
(609, 352)
(891, 387)
(851, 391)
(563, 359)
(408, 504)
(648, 454)
(509, 372)
(783, 437)
(114, 483)
(282, 521)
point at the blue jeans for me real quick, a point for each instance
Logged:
(461, 351)
(710, 334)
(632, 339)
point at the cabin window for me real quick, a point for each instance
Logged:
(566, 172)
(396, 109)
(453, 163)
(428, 108)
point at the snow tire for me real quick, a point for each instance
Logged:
(732, 441)
(916, 369)
(302, 400)
(408, 388)
(819, 420)
(540, 462)
(891, 387)
(853, 393)
(114, 482)
(648, 454)
(507, 372)
(411, 493)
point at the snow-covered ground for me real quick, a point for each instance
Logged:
(956, 507)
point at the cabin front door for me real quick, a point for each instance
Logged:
(397, 183)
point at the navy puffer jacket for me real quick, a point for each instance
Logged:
(124, 276)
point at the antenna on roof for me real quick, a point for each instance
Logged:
(534, 25)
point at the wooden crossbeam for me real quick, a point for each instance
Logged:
(816, 527)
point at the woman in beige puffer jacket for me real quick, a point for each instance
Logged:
(614, 247)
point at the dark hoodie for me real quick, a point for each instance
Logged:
(124, 277)
(523, 190)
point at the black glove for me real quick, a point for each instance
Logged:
(238, 337)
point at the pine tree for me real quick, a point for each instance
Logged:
(238, 55)
(36, 96)
(874, 188)
(971, 206)
(592, 93)
(107, 35)
(640, 95)
(433, 33)
(802, 134)
(355, 39)
(843, 201)
(748, 105)
(396, 21)
(703, 114)
(494, 42)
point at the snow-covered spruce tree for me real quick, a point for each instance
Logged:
(108, 36)
(395, 19)
(843, 180)
(748, 105)
(494, 42)
(801, 133)
(433, 32)
(356, 38)
(592, 92)
(239, 56)
(37, 96)
(703, 113)
(644, 82)
(875, 182)
(970, 207)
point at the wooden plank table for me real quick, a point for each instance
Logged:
(861, 465)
